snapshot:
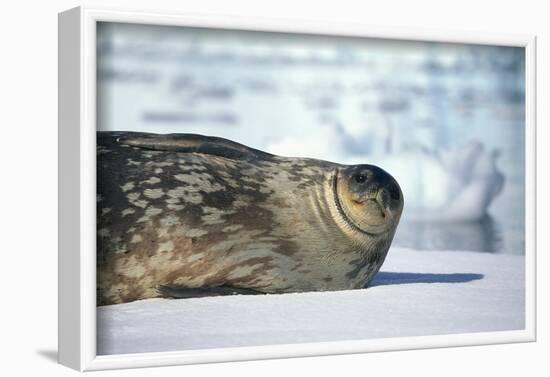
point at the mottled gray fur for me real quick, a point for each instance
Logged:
(188, 211)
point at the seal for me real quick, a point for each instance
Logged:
(183, 215)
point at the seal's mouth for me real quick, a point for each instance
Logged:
(373, 206)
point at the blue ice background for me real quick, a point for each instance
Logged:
(404, 105)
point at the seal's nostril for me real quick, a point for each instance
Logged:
(394, 192)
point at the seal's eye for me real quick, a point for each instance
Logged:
(360, 178)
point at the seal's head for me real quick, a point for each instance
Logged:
(369, 199)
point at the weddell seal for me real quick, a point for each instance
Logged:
(184, 215)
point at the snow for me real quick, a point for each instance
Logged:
(416, 293)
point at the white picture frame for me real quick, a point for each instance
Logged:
(77, 197)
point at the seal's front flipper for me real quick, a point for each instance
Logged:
(178, 292)
(192, 143)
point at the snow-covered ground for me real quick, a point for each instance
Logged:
(416, 293)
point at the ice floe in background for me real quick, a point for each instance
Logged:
(455, 184)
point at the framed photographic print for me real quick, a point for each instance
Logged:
(238, 189)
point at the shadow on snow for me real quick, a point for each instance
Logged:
(388, 278)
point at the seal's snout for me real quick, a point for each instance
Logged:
(390, 196)
(394, 191)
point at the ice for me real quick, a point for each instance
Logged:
(416, 293)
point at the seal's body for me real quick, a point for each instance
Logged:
(188, 212)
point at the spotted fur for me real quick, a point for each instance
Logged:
(197, 212)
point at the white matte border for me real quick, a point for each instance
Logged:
(84, 311)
